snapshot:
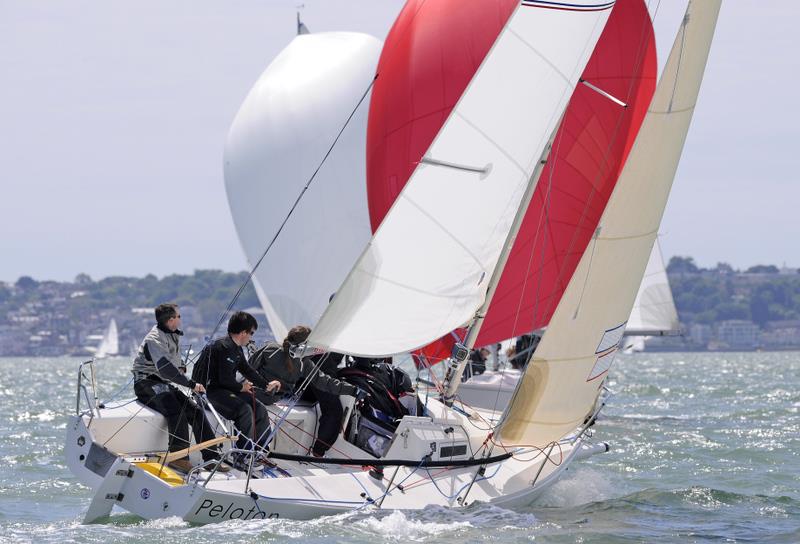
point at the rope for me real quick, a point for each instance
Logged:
(615, 134)
(462, 488)
(291, 210)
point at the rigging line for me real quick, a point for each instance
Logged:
(636, 75)
(297, 427)
(147, 421)
(124, 424)
(546, 209)
(399, 485)
(588, 273)
(552, 155)
(119, 391)
(293, 401)
(544, 218)
(684, 24)
(292, 209)
(548, 199)
(300, 196)
(462, 488)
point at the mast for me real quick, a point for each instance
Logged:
(460, 355)
(301, 26)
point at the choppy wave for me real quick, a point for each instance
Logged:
(703, 448)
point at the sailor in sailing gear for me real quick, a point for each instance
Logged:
(156, 367)
(286, 364)
(217, 365)
(476, 364)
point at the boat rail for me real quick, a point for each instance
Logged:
(92, 407)
(225, 457)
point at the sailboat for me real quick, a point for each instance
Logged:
(109, 342)
(432, 266)
(654, 312)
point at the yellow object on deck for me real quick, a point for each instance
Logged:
(165, 473)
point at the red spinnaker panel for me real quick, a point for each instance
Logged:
(589, 152)
(429, 58)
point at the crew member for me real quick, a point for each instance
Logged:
(282, 362)
(217, 366)
(476, 364)
(156, 367)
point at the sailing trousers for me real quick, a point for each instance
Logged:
(179, 411)
(239, 408)
(330, 420)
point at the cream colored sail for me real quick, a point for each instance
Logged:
(426, 269)
(561, 384)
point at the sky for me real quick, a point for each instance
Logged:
(113, 117)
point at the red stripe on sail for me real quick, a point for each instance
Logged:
(428, 59)
(590, 149)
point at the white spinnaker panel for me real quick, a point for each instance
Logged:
(426, 269)
(281, 134)
(560, 385)
(654, 308)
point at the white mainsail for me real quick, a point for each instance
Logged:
(426, 269)
(561, 383)
(654, 309)
(280, 136)
(109, 345)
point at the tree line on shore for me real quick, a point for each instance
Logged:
(760, 294)
(209, 291)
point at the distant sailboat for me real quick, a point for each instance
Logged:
(109, 343)
(654, 312)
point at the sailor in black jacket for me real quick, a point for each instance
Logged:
(276, 362)
(219, 361)
(156, 368)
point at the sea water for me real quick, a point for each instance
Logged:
(705, 447)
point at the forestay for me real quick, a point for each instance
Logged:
(560, 386)
(425, 271)
(280, 136)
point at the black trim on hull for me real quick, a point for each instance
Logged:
(390, 462)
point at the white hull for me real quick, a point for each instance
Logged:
(490, 391)
(103, 447)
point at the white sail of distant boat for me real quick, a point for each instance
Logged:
(654, 312)
(109, 342)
